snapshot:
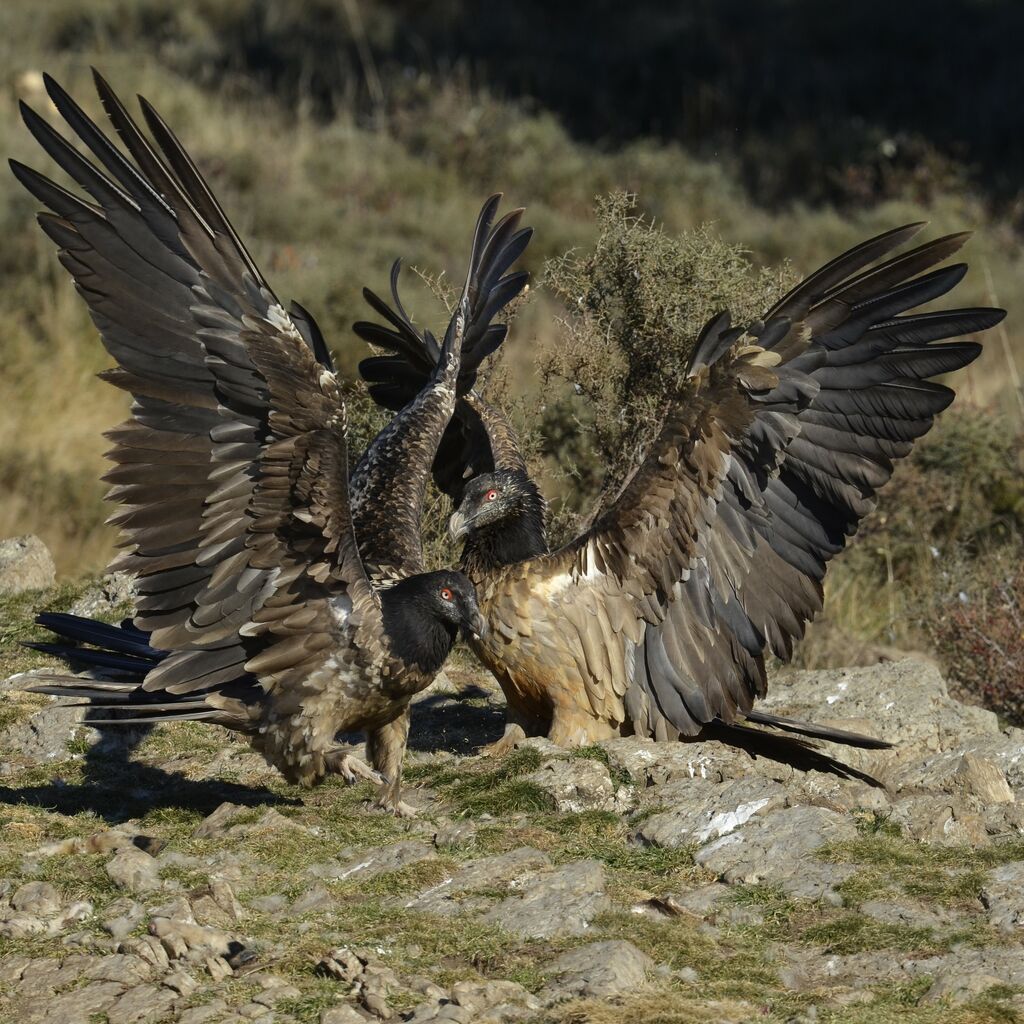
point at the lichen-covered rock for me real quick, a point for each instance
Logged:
(599, 970)
(562, 902)
(581, 784)
(503, 871)
(774, 848)
(703, 810)
(25, 564)
(1003, 897)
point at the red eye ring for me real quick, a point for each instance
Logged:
(491, 494)
(446, 594)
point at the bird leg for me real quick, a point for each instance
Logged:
(350, 768)
(385, 747)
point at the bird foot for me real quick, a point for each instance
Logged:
(499, 748)
(352, 770)
(399, 808)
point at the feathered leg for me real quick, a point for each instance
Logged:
(385, 748)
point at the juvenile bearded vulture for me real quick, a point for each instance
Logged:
(656, 620)
(276, 596)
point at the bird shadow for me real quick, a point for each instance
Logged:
(458, 723)
(117, 788)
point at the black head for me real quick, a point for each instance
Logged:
(423, 615)
(446, 597)
(501, 498)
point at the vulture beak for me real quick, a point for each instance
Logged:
(476, 625)
(458, 525)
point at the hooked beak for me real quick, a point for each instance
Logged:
(458, 525)
(477, 625)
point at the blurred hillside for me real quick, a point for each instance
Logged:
(340, 134)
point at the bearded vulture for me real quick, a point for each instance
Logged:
(657, 619)
(276, 595)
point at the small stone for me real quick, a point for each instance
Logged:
(960, 988)
(459, 833)
(369, 863)
(774, 848)
(706, 810)
(211, 1012)
(134, 870)
(39, 898)
(218, 968)
(25, 564)
(599, 970)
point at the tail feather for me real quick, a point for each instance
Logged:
(125, 657)
(817, 732)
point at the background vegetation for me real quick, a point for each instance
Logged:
(756, 139)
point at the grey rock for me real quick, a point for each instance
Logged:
(25, 564)
(818, 880)
(1003, 897)
(123, 968)
(41, 734)
(224, 822)
(142, 1003)
(651, 764)
(905, 702)
(459, 833)
(943, 820)
(581, 784)
(81, 1005)
(562, 902)
(133, 870)
(599, 970)
(36, 898)
(776, 847)
(215, 904)
(343, 1014)
(703, 810)
(368, 863)
(505, 870)
(208, 1012)
(907, 912)
(113, 592)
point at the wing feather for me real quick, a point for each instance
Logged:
(231, 474)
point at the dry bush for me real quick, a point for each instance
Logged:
(978, 634)
(634, 305)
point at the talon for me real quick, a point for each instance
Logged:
(352, 770)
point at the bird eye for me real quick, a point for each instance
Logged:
(446, 593)
(491, 494)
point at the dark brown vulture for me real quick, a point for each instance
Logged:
(656, 621)
(275, 595)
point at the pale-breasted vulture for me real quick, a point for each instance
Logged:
(657, 620)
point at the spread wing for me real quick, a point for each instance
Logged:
(477, 438)
(232, 471)
(715, 551)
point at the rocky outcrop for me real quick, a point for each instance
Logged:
(700, 844)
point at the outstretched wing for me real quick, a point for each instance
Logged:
(477, 439)
(715, 551)
(232, 471)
